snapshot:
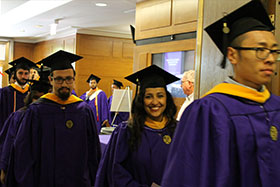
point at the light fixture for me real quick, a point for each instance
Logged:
(53, 27)
(100, 4)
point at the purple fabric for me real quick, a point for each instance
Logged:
(7, 102)
(47, 153)
(7, 136)
(73, 92)
(121, 116)
(223, 140)
(104, 139)
(103, 112)
(121, 167)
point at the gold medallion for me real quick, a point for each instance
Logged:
(69, 124)
(273, 133)
(166, 139)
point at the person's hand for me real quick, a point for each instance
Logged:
(106, 123)
(90, 92)
(2, 176)
(155, 185)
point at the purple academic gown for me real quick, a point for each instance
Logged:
(7, 102)
(49, 152)
(121, 116)
(225, 141)
(73, 92)
(7, 136)
(119, 167)
(103, 112)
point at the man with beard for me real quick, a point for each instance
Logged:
(12, 96)
(230, 137)
(97, 99)
(57, 144)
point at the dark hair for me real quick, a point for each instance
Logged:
(136, 123)
(29, 98)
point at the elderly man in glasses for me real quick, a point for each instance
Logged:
(230, 137)
(57, 144)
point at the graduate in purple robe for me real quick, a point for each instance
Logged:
(137, 151)
(10, 128)
(121, 116)
(11, 125)
(97, 99)
(57, 143)
(230, 137)
(12, 96)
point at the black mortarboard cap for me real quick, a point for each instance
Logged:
(22, 63)
(44, 73)
(10, 71)
(118, 83)
(40, 85)
(152, 77)
(93, 77)
(250, 17)
(60, 60)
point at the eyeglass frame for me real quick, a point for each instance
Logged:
(67, 79)
(271, 51)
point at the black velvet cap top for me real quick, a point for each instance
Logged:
(118, 83)
(60, 60)
(97, 79)
(22, 63)
(250, 17)
(152, 77)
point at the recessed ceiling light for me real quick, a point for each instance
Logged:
(39, 26)
(100, 4)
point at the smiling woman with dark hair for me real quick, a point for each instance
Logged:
(137, 151)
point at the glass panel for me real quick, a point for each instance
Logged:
(175, 63)
(2, 51)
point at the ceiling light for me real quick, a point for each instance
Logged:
(53, 29)
(39, 26)
(100, 4)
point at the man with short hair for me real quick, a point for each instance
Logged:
(230, 137)
(12, 96)
(57, 143)
(187, 84)
(97, 99)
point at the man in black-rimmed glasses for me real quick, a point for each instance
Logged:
(230, 137)
(58, 143)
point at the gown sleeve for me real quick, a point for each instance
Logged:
(25, 151)
(94, 149)
(7, 137)
(200, 154)
(111, 171)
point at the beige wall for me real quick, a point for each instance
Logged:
(106, 57)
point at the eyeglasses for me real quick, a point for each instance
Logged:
(261, 52)
(60, 80)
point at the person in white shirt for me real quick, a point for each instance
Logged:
(187, 84)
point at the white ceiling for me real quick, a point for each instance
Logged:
(76, 16)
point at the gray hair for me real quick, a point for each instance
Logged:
(189, 75)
